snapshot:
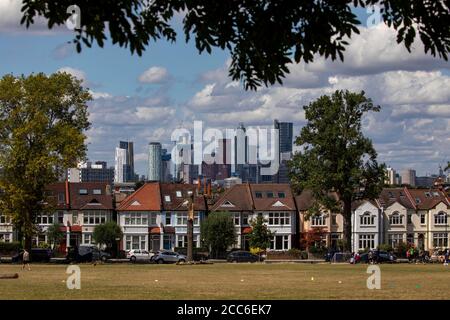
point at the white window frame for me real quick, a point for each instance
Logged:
(135, 242)
(318, 220)
(441, 219)
(366, 241)
(136, 218)
(440, 239)
(396, 219)
(94, 217)
(367, 219)
(279, 219)
(284, 243)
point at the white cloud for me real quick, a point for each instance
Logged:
(412, 89)
(77, 73)
(10, 21)
(154, 75)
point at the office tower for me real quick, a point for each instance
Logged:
(241, 152)
(166, 162)
(120, 161)
(286, 135)
(223, 159)
(154, 161)
(91, 172)
(124, 163)
(409, 177)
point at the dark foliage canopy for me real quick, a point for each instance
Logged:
(262, 36)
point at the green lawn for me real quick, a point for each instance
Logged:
(227, 281)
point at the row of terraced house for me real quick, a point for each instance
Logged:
(154, 217)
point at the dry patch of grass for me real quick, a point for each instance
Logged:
(227, 281)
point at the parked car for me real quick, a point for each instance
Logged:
(87, 253)
(36, 255)
(378, 256)
(242, 256)
(139, 255)
(168, 257)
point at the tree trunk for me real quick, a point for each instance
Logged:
(347, 214)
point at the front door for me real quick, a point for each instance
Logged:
(75, 239)
(155, 243)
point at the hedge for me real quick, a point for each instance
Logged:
(8, 247)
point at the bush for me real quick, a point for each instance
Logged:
(43, 245)
(385, 247)
(292, 254)
(401, 249)
(317, 250)
(9, 247)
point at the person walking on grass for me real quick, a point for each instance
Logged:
(446, 256)
(26, 260)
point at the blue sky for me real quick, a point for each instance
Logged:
(145, 98)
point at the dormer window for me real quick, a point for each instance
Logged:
(281, 195)
(391, 195)
(258, 195)
(83, 191)
(179, 195)
(97, 191)
(167, 198)
(269, 194)
(428, 194)
(417, 200)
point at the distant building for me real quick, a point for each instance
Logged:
(124, 163)
(391, 176)
(286, 135)
(154, 161)
(409, 177)
(166, 163)
(91, 172)
(230, 182)
(425, 182)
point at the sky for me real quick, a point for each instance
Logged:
(143, 99)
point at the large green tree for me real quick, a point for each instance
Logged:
(261, 235)
(262, 36)
(42, 124)
(107, 234)
(337, 163)
(55, 234)
(218, 232)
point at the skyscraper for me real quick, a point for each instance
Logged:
(286, 135)
(124, 163)
(154, 161)
(409, 177)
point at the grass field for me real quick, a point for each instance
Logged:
(228, 281)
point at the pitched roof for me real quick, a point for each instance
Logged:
(305, 200)
(82, 196)
(237, 198)
(357, 204)
(57, 195)
(146, 198)
(389, 196)
(176, 196)
(428, 198)
(272, 197)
